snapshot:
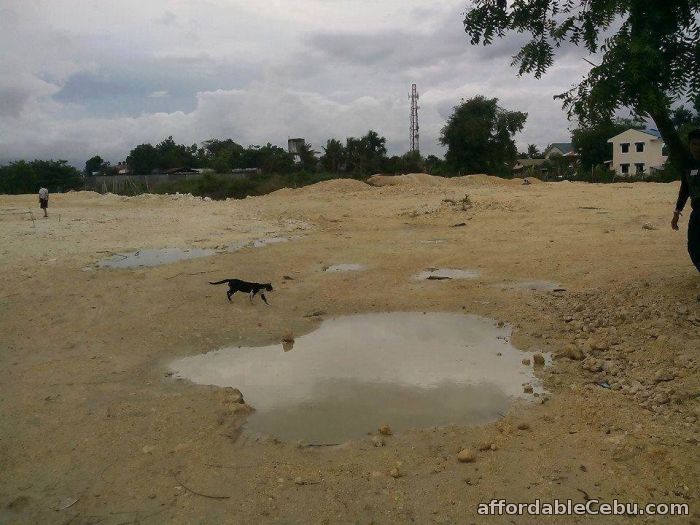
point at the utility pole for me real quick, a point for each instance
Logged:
(415, 135)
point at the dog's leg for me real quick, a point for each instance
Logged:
(262, 296)
(230, 293)
(252, 294)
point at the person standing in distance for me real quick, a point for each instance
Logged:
(690, 188)
(44, 200)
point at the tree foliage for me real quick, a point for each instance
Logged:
(366, 154)
(96, 165)
(647, 52)
(28, 177)
(333, 158)
(479, 136)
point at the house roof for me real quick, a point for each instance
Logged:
(564, 147)
(651, 132)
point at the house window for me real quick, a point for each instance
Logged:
(639, 146)
(625, 168)
(664, 150)
(639, 168)
(625, 147)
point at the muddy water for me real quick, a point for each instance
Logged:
(358, 372)
(542, 286)
(153, 257)
(446, 274)
(346, 268)
(157, 257)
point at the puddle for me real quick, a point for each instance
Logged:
(153, 257)
(540, 286)
(439, 274)
(356, 373)
(346, 268)
(259, 243)
(160, 256)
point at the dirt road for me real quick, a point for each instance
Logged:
(93, 430)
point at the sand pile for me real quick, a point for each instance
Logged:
(481, 180)
(410, 179)
(337, 186)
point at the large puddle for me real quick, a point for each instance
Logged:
(356, 373)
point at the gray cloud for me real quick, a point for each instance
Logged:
(106, 81)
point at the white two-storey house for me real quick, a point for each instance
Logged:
(638, 152)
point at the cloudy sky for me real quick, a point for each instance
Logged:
(86, 77)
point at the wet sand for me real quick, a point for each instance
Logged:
(93, 421)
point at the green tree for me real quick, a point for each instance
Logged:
(591, 142)
(366, 154)
(223, 155)
(96, 164)
(143, 159)
(307, 157)
(172, 155)
(268, 158)
(479, 136)
(434, 165)
(533, 152)
(333, 156)
(648, 53)
(28, 177)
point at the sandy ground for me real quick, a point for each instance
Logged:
(88, 412)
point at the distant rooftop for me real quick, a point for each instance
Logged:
(653, 132)
(564, 147)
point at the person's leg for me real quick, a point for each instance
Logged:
(694, 238)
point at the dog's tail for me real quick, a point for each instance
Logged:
(221, 282)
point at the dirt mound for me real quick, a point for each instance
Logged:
(410, 179)
(326, 186)
(481, 180)
(338, 186)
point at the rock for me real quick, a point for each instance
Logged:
(523, 426)
(648, 226)
(149, 448)
(663, 376)
(484, 445)
(494, 447)
(538, 359)
(466, 456)
(397, 471)
(385, 430)
(527, 389)
(526, 362)
(232, 395)
(378, 441)
(575, 354)
(298, 481)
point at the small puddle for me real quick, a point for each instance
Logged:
(259, 243)
(160, 256)
(356, 373)
(153, 257)
(444, 274)
(540, 286)
(346, 268)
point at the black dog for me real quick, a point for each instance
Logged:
(236, 285)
